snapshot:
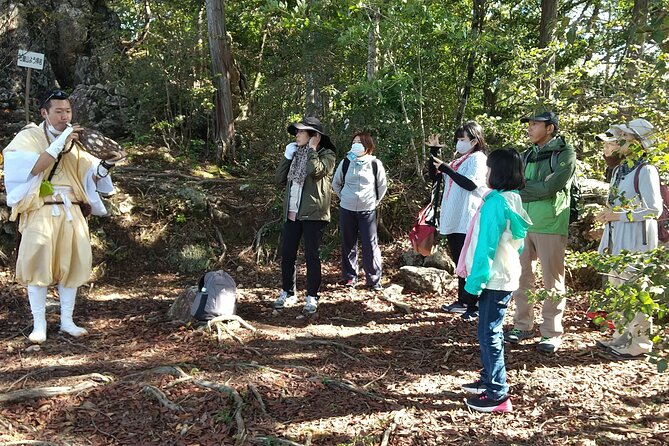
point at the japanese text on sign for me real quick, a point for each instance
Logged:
(29, 59)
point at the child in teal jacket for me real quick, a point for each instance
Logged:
(490, 261)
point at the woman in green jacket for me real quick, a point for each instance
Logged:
(306, 172)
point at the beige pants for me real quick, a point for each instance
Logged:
(54, 250)
(549, 249)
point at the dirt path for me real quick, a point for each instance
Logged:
(360, 373)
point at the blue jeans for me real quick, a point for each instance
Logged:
(492, 308)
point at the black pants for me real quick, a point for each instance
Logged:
(312, 232)
(455, 243)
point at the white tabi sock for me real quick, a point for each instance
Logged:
(67, 298)
(37, 298)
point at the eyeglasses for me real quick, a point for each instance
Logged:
(56, 94)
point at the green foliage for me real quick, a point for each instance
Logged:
(192, 258)
(640, 284)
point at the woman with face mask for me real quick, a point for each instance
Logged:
(360, 182)
(630, 219)
(464, 184)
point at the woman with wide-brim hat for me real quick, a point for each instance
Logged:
(630, 221)
(305, 171)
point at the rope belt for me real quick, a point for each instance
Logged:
(61, 202)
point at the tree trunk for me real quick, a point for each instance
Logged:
(221, 64)
(478, 16)
(372, 47)
(549, 10)
(313, 105)
(593, 18)
(636, 39)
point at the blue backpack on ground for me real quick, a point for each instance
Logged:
(216, 296)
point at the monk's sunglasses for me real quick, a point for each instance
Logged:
(56, 94)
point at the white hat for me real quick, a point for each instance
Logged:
(612, 134)
(641, 129)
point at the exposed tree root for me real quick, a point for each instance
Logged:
(33, 373)
(274, 440)
(256, 394)
(240, 436)
(90, 381)
(388, 432)
(232, 317)
(162, 398)
(29, 442)
(400, 305)
(324, 342)
(350, 387)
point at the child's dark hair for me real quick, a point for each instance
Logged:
(472, 130)
(507, 171)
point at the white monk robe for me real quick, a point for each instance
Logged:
(55, 243)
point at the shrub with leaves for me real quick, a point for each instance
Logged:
(643, 290)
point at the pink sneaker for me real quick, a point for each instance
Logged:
(484, 404)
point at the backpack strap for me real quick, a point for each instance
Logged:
(554, 157)
(344, 168)
(644, 238)
(636, 178)
(375, 169)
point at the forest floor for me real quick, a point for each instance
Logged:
(361, 372)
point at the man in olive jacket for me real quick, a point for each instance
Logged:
(549, 170)
(306, 172)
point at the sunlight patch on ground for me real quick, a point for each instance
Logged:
(102, 296)
(291, 356)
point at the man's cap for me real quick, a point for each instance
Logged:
(314, 124)
(639, 128)
(542, 116)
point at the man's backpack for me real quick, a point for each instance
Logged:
(663, 219)
(216, 296)
(375, 170)
(574, 190)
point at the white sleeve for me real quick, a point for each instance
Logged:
(19, 180)
(93, 189)
(651, 198)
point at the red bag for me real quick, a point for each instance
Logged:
(423, 235)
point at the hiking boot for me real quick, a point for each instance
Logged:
(515, 335)
(476, 387)
(484, 404)
(470, 316)
(620, 341)
(627, 352)
(549, 345)
(311, 306)
(377, 288)
(350, 283)
(455, 307)
(284, 300)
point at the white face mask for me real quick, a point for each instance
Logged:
(463, 147)
(53, 130)
(357, 149)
